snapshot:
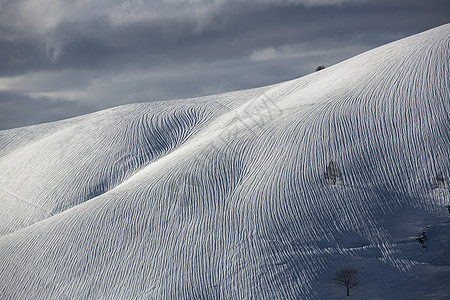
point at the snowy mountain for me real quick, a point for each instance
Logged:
(227, 197)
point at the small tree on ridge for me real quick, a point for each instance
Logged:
(321, 67)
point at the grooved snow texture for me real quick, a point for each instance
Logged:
(225, 196)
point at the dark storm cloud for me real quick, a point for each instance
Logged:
(61, 53)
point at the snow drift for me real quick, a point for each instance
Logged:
(225, 196)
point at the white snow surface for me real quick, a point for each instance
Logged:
(225, 196)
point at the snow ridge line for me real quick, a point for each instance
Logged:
(49, 213)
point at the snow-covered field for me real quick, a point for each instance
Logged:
(225, 196)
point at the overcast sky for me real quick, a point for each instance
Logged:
(62, 58)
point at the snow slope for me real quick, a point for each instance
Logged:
(225, 196)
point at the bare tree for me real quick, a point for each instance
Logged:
(332, 172)
(346, 277)
(439, 181)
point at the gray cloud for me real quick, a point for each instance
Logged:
(82, 56)
(18, 110)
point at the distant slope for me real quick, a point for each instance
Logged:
(225, 196)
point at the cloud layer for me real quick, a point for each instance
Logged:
(98, 54)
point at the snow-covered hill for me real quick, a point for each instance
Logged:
(225, 196)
